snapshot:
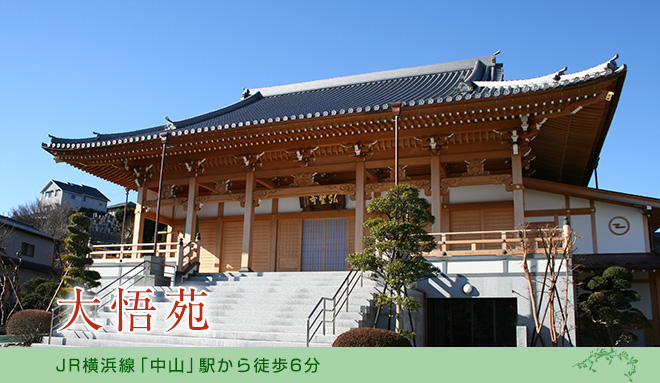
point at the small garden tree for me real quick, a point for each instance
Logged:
(77, 257)
(394, 247)
(37, 293)
(606, 307)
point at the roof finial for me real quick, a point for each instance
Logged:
(170, 125)
(560, 73)
(612, 63)
(246, 93)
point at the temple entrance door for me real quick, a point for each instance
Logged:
(324, 244)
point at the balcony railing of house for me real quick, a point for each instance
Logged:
(183, 255)
(501, 242)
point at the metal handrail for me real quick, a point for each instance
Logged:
(342, 295)
(52, 312)
(121, 280)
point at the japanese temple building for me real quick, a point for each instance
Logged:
(279, 181)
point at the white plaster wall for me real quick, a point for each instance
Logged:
(578, 203)
(644, 305)
(179, 213)
(479, 193)
(422, 194)
(265, 207)
(208, 210)
(633, 241)
(289, 205)
(536, 200)
(581, 225)
(233, 208)
(150, 194)
(350, 204)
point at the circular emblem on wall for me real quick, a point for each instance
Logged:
(619, 226)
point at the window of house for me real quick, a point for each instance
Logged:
(49, 194)
(57, 192)
(73, 196)
(27, 249)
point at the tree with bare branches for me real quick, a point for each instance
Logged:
(51, 219)
(10, 295)
(551, 248)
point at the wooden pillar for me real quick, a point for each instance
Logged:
(248, 218)
(138, 223)
(273, 235)
(648, 237)
(436, 194)
(359, 205)
(191, 211)
(518, 198)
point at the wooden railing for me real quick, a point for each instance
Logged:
(503, 242)
(177, 252)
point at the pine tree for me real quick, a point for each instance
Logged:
(394, 247)
(607, 309)
(77, 258)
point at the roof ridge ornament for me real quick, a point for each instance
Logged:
(245, 94)
(611, 64)
(560, 73)
(170, 125)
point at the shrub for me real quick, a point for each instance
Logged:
(28, 326)
(370, 337)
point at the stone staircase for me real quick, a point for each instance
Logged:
(241, 309)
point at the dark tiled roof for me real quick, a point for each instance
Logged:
(25, 264)
(344, 95)
(18, 225)
(630, 261)
(441, 83)
(119, 206)
(81, 190)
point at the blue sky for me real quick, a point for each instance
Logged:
(68, 68)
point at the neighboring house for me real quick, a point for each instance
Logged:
(280, 181)
(76, 196)
(36, 249)
(113, 209)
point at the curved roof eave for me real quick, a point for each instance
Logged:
(463, 86)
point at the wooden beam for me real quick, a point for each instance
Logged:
(373, 177)
(553, 212)
(267, 183)
(206, 187)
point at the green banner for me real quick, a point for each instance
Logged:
(70, 364)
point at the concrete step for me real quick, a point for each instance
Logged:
(242, 310)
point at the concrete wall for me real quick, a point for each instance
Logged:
(494, 277)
